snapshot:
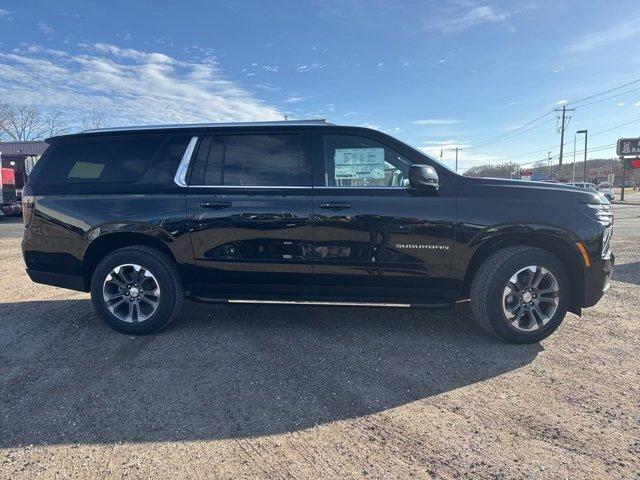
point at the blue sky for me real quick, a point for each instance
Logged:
(434, 74)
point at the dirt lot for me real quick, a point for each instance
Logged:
(310, 392)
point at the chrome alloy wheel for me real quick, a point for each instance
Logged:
(530, 298)
(131, 293)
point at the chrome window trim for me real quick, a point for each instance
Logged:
(227, 187)
(371, 187)
(301, 187)
(180, 177)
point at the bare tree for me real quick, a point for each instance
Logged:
(53, 124)
(503, 170)
(92, 119)
(21, 123)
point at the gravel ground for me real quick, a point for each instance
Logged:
(310, 392)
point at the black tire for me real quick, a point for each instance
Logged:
(165, 272)
(488, 287)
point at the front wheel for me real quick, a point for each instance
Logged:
(137, 290)
(520, 294)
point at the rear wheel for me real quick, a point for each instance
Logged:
(137, 290)
(520, 294)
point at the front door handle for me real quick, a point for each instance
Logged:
(217, 205)
(335, 205)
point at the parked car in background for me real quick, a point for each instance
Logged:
(305, 212)
(607, 192)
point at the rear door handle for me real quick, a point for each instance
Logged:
(217, 205)
(335, 205)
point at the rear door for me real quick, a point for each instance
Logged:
(374, 235)
(249, 210)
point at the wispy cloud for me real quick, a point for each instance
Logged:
(613, 34)
(4, 13)
(311, 66)
(130, 53)
(126, 36)
(46, 29)
(267, 86)
(437, 121)
(295, 99)
(457, 19)
(129, 86)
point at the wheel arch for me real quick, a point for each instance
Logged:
(110, 242)
(559, 246)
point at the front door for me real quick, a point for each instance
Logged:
(375, 236)
(249, 209)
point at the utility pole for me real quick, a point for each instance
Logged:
(563, 122)
(456, 159)
(549, 165)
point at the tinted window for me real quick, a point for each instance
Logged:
(199, 161)
(165, 163)
(208, 173)
(352, 161)
(103, 159)
(258, 160)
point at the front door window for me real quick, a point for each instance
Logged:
(353, 161)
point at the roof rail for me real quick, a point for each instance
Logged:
(320, 121)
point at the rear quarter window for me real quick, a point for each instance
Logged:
(97, 159)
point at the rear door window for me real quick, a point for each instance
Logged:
(98, 159)
(166, 161)
(253, 160)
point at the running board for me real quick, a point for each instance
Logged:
(441, 305)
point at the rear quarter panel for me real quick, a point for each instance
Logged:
(63, 226)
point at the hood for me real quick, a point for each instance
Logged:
(501, 187)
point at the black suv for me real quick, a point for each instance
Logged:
(304, 212)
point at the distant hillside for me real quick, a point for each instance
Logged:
(595, 167)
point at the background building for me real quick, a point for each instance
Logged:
(20, 157)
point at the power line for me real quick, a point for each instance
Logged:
(607, 98)
(523, 128)
(511, 134)
(604, 92)
(589, 150)
(567, 143)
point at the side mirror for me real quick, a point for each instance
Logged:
(423, 177)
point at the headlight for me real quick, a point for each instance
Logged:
(602, 212)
